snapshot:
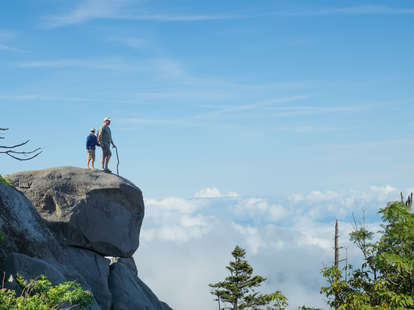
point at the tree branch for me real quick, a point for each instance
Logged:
(19, 155)
(14, 146)
(21, 159)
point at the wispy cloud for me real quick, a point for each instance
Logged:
(196, 118)
(102, 64)
(7, 35)
(353, 10)
(7, 48)
(142, 121)
(268, 108)
(123, 10)
(253, 106)
(34, 97)
(89, 10)
(136, 43)
(312, 110)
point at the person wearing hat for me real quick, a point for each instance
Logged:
(105, 140)
(91, 143)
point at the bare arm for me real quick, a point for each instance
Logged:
(100, 138)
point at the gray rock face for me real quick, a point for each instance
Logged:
(90, 268)
(23, 228)
(86, 208)
(74, 212)
(31, 268)
(129, 292)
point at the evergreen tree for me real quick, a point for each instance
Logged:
(238, 289)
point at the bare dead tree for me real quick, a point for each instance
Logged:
(336, 245)
(409, 201)
(14, 152)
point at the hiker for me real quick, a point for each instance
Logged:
(105, 139)
(91, 143)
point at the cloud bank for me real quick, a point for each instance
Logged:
(186, 243)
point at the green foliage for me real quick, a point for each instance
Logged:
(5, 181)
(42, 295)
(238, 289)
(385, 280)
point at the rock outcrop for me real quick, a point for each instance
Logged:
(62, 222)
(86, 208)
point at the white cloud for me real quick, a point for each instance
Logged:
(260, 207)
(347, 198)
(295, 198)
(277, 212)
(198, 235)
(181, 233)
(174, 219)
(252, 237)
(208, 192)
(317, 196)
(214, 192)
(252, 206)
(232, 194)
(383, 190)
(180, 205)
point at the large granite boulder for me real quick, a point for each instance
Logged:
(86, 208)
(29, 248)
(84, 215)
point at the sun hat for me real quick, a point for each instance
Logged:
(93, 129)
(107, 119)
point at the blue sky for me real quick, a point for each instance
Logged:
(264, 99)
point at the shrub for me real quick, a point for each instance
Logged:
(42, 295)
(5, 181)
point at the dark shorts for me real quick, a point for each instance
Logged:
(106, 150)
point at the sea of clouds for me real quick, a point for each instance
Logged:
(187, 242)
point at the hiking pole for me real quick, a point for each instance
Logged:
(117, 164)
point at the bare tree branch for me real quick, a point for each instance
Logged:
(22, 153)
(14, 146)
(13, 153)
(19, 158)
(4, 129)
